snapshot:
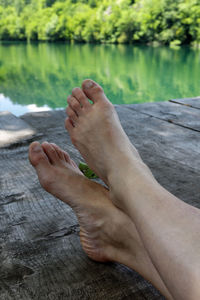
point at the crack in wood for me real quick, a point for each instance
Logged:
(185, 104)
(165, 120)
(66, 231)
(18, 224)
(63, 232)
(48, 244)
(12, 198)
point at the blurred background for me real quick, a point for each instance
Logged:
(139, 51)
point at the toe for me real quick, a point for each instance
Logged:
(74, 104)
(67, 157)
(64, 155)
(80, 96)
(76, 167)
(41, 163)
(73, 163)
(93, 91)
(69, 125)
(59, 151)
(72, 115)
(37, 156)
(51, 153)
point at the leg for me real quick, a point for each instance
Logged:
(168, 227)
(101, 241)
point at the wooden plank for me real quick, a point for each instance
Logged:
(177, 114)
(162, 138)
(41, 256)
(177, 178)
(191, 102)
(162, 145)
(13, 129)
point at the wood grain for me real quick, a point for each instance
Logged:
(185, 116)
(191, 102)
(40, 253)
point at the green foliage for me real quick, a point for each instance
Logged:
(107, 21)
(87, 171)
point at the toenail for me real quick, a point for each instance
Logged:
(88, 84)
(36, 148)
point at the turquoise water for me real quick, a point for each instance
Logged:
(40, 76)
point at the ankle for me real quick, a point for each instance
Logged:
(135, 180)
(131, 169)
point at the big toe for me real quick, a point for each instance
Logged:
(37, 155)
(93, 91)
(39, 161)
(38, 158)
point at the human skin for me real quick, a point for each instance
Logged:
(168, 227)
(106, 233)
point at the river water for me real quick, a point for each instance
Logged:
(39, 76)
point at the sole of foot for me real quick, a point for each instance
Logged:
(106, 233)
(60, 176)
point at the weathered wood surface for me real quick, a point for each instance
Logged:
(12, 129)
(187, 116)
(40, 253)
(193, 102)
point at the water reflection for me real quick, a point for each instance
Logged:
(44, 74)
(7, 105)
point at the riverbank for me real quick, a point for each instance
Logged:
(161, 22)
(41, 256)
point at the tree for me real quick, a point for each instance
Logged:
(167, 22)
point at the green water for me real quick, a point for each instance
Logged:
(44, 74)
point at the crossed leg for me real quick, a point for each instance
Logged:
(168, 227)
(101, 240)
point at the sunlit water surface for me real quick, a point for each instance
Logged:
(36, 77)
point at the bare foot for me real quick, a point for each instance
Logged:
(96, 132)
(106, 233)
(60, 176)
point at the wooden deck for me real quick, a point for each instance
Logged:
(40, 253)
